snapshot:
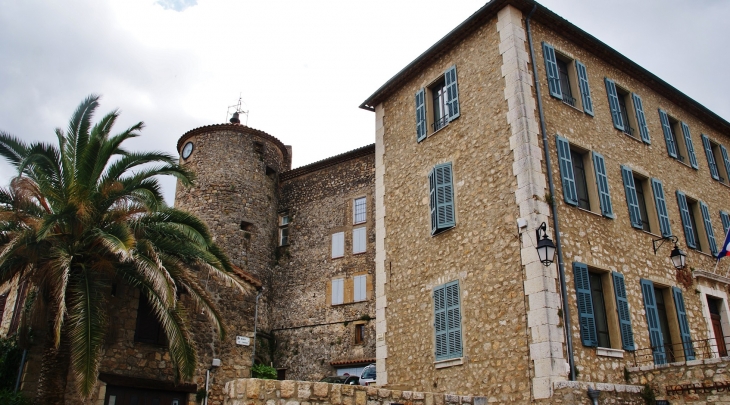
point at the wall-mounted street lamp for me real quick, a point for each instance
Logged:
(679, 257)
(545, 246)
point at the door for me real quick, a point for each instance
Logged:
(714, 306)
(664, 324)
(137, 396)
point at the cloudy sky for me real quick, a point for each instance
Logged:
(302, 68)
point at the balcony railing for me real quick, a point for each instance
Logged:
(569, 100)
(440, 123)
(697, 349)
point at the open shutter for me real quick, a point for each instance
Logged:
(566, 171)
(604, 194)
(442, 198)
(586, 318)
(652, 320)
(585, 91)
(708, 228)
(689, 234)
(452, 93)
(618, 121)
(632, 200)
(671, 147)
(710, 157)
(439, 321)
(622, 308)
(689, 352)
(453, 319)
(551, 66)
(726, 160)
(690, 147)
(421, 115)
(725, 217)
(641, 118)
(661, 207)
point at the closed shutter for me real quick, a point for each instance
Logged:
(661, 207)
(689, 352)
(652, 320)
(710, 157)
(453, 315)
(359, 240)
(725, 217)
(585, 90)
(452, 93)
(671, 147)
(551, 67)
(622, 308)
(726, 160)
(690, 147)
(442, 198)
(338, 291)
(360, 293)
(613, 103)
(641, 118)
(632, 200)
(439, 321)
(421, 115)
(566, 171)
(586, 318)
(338, 244)
(708, 228)
(689, 234)
(604, 194)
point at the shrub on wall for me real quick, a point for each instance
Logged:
(263, 371)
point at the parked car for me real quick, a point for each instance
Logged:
(367, 376)
(342, 379)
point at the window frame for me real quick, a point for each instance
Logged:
(284, 221)
(596, 177)
(356, 212)
(144, 319)
(642, 186)
(335, 293)
(363, 287)
(358, 333)
(698, 214)
(338, 245)
(359, 240)
(576, 74)
(444, 291)
(446, 89)
(684, 152)
(442, 214)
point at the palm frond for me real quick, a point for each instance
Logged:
(12, 148)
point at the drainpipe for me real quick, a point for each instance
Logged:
(20, 370)
(553, 205)
(255, 322)
(207, 378)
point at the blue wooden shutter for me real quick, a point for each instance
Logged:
(586, 318)
(442, 198)
(689, 352)
(439, 321)
(585, 90)
(671, 147)
(566, 171)
(725, 158)
(652, 320)
(689, 235)
(453, 319)
(604, 194)
(632, 200)
(551, 66)
(624, 315)
(690, 147)
(618, 121)
(710, 157)
(708, 228)
(725, 217)
(452, 93)
(432, 200)
(661, 207)
(421, 115)
(641, 118)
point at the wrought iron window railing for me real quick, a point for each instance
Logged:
(569, 100)
(700, 349)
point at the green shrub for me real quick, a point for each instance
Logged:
(263, 371)
(10, 355)
(7, 397)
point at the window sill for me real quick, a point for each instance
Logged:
(652, 234)
(359, 223)
(702, 253)
(589, 212)
(458, 361)
(683, 164)
(337, 257)
(608, 352)
(632, 137)
(359, 253)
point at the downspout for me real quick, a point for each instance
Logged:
(20, 371)
(255, 322)
(553, 205)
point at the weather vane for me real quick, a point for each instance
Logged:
(238, 110)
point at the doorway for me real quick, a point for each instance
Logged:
(116, 395)
(714, 305)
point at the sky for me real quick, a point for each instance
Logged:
(301, 68)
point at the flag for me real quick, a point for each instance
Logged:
(725, 247)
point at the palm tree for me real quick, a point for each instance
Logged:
(85, 212)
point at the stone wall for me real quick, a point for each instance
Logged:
(673, 381)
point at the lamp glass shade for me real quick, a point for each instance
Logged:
(546, 251)
(679, 258)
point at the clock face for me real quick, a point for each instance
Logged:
(187, 150)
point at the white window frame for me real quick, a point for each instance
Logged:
(338, 291)
(355, 212)
(360, 288)
(284, 221)
(338, 245)
(359, 240)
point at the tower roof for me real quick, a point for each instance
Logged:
(243, 129)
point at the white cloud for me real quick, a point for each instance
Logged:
(177, 5)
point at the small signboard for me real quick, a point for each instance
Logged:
(243, 340)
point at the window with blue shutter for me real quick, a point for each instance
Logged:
(442, 198)
(566, 171)
(652, 320)
(585, 90)
(551, 66)
(613, 103)
(447, 321)
(586, 318)
(690, 147)
(661, 207)
(452, 94)
(689, 353)
(604, 194)
(668, 136)
(632, 200)
(726, 160)
(641, 118)
(708, 228)
(421, 125)
(710, 157)
(689, 234)
(622, 308)
(725, 217)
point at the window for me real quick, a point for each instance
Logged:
(447, 321)
(698, 232)
(567, 79)
(283, 229)
(148, 328)
(3, 300)
(668, 326)
(714, 305)
(441, 190)
(338, 291)
(717, 159)
(603, 309)
(360, 290)
(338, 244)
(725, 218)
(359, 240)
(648, 217)
(682, 151)
(630, 121)
(359, 333)
(437, 105)
(582, 187)
(359, 210)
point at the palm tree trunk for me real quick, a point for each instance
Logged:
(54, 371)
